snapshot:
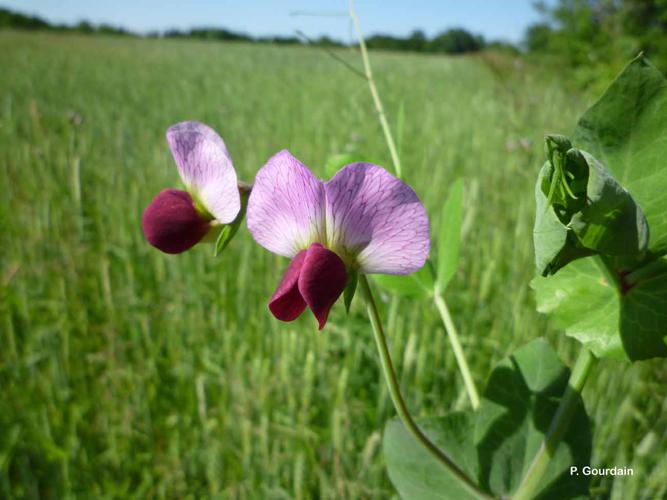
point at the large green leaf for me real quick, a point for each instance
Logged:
(414, 473)
(619, 308)
(496, 445)
(611, 323)
(643, 326)
(517, 407)
(627, 131)
(581, 302)
(449, 236)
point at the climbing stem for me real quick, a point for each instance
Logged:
(396, 160)
(456, 347)
(558, 426)
(397, 398)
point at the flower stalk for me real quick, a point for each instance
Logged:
(397, 398)
(396, 160)
(452, 334)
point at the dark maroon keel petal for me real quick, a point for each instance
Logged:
(323, 278)
(286, 303)
(171, 223)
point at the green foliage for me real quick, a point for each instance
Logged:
(449, 235)
(621, 312)
(227, 234)
(582, 210)
(496, 444)
(626, 129)
(456, 41)
(609, 323)
(592, 35)
(451, 41)
(10, 19)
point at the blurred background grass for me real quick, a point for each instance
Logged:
(129, 373)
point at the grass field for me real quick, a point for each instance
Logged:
(128, 373)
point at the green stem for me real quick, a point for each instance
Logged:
(399, 402)
(456, 347)
(374, 92)
(395, 157)
(559, 424)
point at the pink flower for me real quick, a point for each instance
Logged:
(362, 220)
(177, 220)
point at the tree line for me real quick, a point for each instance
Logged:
(600, 33)
(585, 34)
(451, 41)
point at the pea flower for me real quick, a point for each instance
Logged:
(177, 220)
(362, 220)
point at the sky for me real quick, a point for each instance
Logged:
(495, 19)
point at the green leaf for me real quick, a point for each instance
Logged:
(350, 289)
(414, 473)
(644, 315)
(582, 210)
(417, 285)
(517, 407)
(626, 131)
(228, 231)
(624, 318)
(449, 236)
(580, 301)
(496, 445)
(611, 324)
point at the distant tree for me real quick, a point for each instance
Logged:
(456, 41)
(325, 41)
(646, 21)
(9, 19)
(537, 37)
(174, 33)
(385, 42)
(417, 41)
(279, 40)
(218, 34)
(106, 29)
(600, 35)
(84, 27)
(453, 41)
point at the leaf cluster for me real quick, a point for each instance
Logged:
(601, 221)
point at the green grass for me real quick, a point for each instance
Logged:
(128, 373)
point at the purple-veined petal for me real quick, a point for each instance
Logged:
(286, 304)
(377, 217)
(206, 168)
(171, 223)
(286, 206)
(322, 279)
